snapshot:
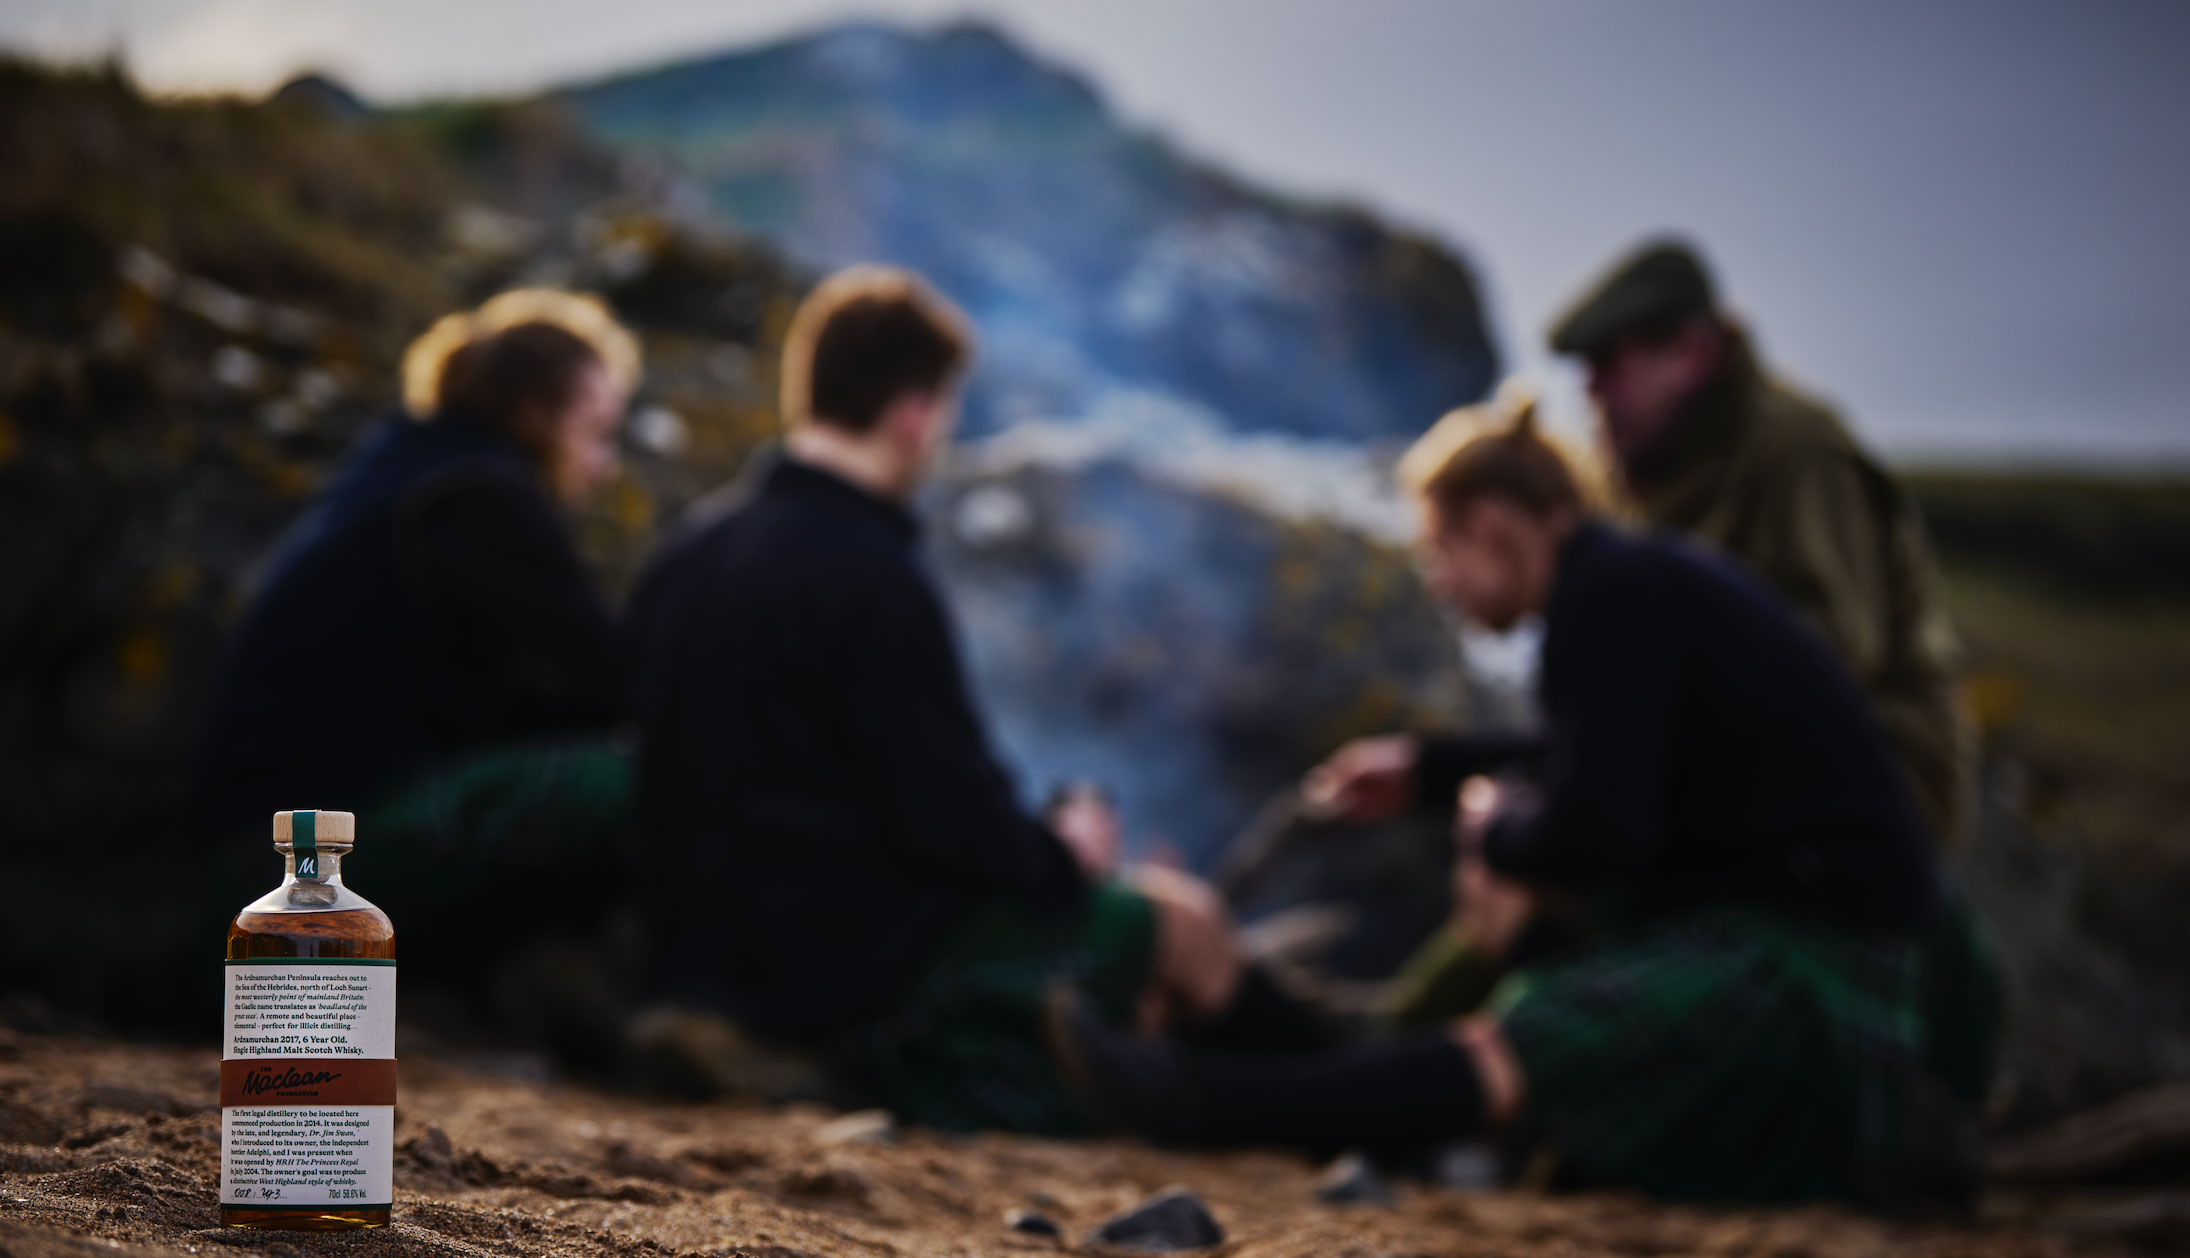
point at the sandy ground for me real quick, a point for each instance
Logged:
(111, 1149)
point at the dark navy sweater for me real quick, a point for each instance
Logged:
(1706, 747)
(818, 802)
(428, 603)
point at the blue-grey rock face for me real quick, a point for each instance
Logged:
(1095, 259)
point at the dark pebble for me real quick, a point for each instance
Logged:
(1032, 1224)
(1168, 1221)
(1353, 1180)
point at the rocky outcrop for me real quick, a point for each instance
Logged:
(1095, 257)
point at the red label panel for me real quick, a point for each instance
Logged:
(308, 1081)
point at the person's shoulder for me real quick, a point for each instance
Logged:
(1797, 430)
(791, 530)
(443, 457)
(1804, 460)
(483, 479)
(481, 494)
(1658, 572)
(1623, 547)
(742, 538)
(704, 522)
(1629, 566)
(705, 560)
(705, 544)
(1620, 589)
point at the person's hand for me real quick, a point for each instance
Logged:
(1493, 908)
(1197, 962)
(1368, 779)
(1479, 802)
(1083, 818)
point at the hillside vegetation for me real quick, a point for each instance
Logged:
(2072, 598)
(202, 304)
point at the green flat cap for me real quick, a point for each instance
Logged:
(1660, 283)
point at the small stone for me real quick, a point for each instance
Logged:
(866, 1126)
(431, 1149)
(1168, 1221)
(1471, 1167)
(1032, 1224)
(237, 368)
(1353, 1180)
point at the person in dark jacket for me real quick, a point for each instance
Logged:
(426, 647)
(1743, 1019)
(842, 865)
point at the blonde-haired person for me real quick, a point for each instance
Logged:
(426, 647)
(1743, 1019)
(1374, 780)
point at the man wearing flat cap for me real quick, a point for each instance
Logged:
(1709, 443)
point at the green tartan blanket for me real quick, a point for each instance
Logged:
(1736, 1055)
(964, 1049)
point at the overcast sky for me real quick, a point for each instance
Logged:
(1967, 222)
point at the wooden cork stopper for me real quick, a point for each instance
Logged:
(327, 827)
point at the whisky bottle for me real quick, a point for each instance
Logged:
(308, 1044)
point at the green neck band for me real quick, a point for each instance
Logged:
(304, 842)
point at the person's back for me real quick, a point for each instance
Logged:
(837, 861)
(1707, 748)
(370, 651)
(809, 750)
(780, 641)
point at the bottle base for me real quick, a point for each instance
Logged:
(308, 1219)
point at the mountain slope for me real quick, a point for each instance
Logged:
(1095, 258)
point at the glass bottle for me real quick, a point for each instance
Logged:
(308, 1044)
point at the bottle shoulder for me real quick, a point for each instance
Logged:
(283, 923)
(303, 896)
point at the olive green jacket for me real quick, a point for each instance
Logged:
(1774, 478)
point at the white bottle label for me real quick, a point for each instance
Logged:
(308, 1084)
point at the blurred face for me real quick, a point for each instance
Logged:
(1639, 386)
(920, 425)
(1481, 561)
(579, 442)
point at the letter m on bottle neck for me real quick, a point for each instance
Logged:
(304, 841)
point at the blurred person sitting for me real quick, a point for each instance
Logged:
(841, 865)
(1743, 1018)
(1710, 443)
(428, 650)
(1705, 441)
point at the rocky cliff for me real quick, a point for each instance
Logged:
(1096, 258)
